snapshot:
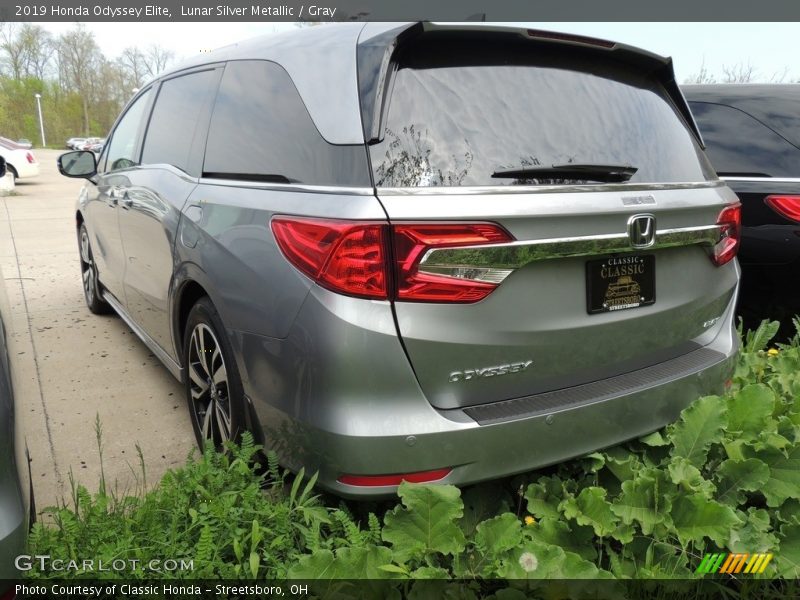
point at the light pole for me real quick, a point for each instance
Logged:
(41, 122)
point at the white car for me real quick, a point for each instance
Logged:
(21, 163)
(73, 143)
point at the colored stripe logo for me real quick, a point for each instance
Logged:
(734, 563)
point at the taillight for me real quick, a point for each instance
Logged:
(730, 223)
(30, 158)
(344, 256)
(351, 257)
(412, 242)
(381, 480)
(786, 206)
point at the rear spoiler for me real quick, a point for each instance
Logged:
(378, 43)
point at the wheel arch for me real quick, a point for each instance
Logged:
(189, 292)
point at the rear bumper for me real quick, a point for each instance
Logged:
(26, 169)
(483, 452)
(337, 413)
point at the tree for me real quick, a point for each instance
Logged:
(27, 50)
(37, 50)
(78, 62)
(12, 48)
(157, 59)
(739, 73)
(134, 66)
(702, 76)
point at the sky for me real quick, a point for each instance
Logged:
(770, 48)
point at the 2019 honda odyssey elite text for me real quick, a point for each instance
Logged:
(422, 252)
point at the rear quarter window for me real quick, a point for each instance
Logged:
(261, 131)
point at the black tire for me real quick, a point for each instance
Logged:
(92, 290)
(213, 387)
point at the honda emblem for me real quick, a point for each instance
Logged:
(642, 230)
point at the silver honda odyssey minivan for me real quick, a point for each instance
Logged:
(414, 251)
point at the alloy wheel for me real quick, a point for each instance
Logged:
(208, 386)
(88, 267)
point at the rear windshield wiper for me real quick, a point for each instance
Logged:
(570, 171)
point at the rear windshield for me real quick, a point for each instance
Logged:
(497, 108)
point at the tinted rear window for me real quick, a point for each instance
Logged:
(454, 122)
(738, 144)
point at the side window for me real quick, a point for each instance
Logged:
(120, 154)
(261, 131)
(173, 136)
(738, 144)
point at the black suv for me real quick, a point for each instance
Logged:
(752, 135)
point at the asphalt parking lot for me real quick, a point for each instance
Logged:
(72, 366)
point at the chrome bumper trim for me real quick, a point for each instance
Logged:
(492, 263)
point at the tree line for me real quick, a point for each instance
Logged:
(82, 91)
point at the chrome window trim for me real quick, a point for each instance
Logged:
(455, 262)
(455, 191)
(289, 187)
(772, 179)
(541, 189)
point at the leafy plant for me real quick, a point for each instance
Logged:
(217, 514)
(725, 477)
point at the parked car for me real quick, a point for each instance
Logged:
(16, 495)
(74, 142)
(21, 163)
(89, 143)
(25, 143)
(97, 148)
(752, 135)
(383, 284)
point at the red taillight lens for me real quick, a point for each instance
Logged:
(786, 206)
(343, 256)
(412, 242)
(381, 480)
(30, 158)
(351, 257)
(730, 222)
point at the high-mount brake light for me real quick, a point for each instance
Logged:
(785, 205)
(352, 257)
(569, 37)
(381, 480)
(730, 222)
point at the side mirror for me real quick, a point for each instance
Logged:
(2, 166)
(81, 164)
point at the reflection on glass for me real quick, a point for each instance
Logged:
(407, 162)
(456, 125)
(78, 163)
